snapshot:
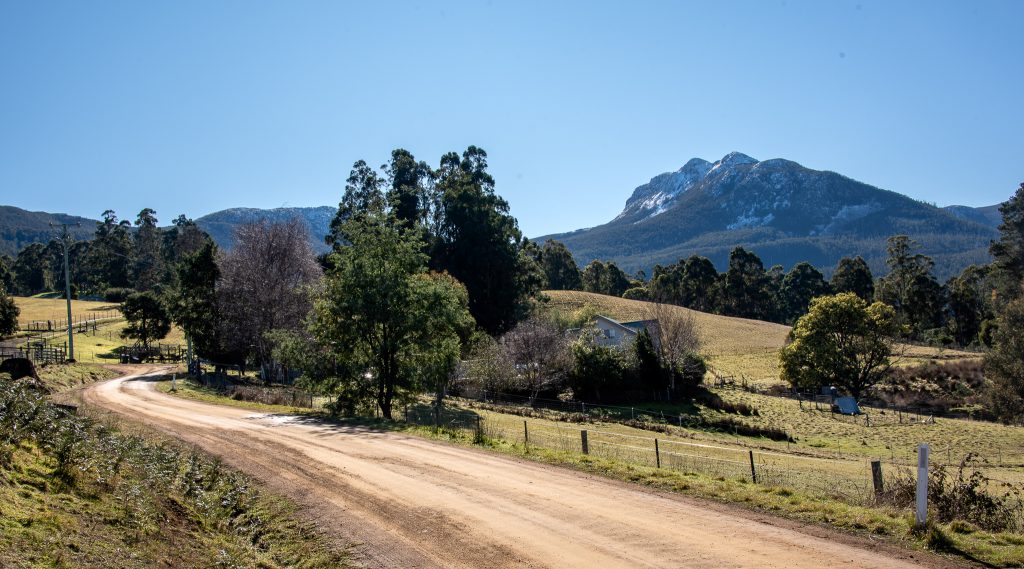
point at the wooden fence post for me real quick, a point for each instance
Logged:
(753, 472)
(876, 476)
(526, 434)
(921, 513)
(657, 453)
(583, 440)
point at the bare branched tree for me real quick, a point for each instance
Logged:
(263, 285)
(487, 368)
(540, 353)
(676, 335)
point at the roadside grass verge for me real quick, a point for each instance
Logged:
(61, 377)
(76, 492)
(961, 539)
(191, 389)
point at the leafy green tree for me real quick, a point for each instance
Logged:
(559, 267)
(1008, 251)
(595, 368)
(967, 306)
(146, 316)
(699, 284)
(147, 268)
(1004, 364)
(604, 278)
(841, 341)
(479, 243)
(652, 373)
(406, 182)
(363, 196)
(854, 275)
(9, 312)
(382, 314)
(110, 255)
(745, 287)
(910, 287)
(193, 301)
(801, 284)
(182, 239)
(30, 270)
(6, 273)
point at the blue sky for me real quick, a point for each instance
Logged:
(192, 107)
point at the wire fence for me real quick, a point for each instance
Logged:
(849, 480)
(845, 478)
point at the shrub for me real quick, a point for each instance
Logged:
(940, 388)
(963, 496)
(115, 294)
(690, 374)
(636, 293)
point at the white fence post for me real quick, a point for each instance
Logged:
(922, 486)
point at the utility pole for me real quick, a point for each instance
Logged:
(65, 240)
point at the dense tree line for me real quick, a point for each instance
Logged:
(120, 258)
(956, 312)
(465, 227)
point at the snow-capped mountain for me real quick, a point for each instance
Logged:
(784, 212)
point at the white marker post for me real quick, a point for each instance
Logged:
(921, 516)
(174, 377)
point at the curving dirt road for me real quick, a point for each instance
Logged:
(408, 502)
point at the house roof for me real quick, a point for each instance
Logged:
(633, 328)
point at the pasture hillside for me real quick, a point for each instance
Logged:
(737, 348)
(55, 309)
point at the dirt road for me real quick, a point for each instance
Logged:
(408, 502)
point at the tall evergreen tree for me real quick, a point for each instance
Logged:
(967, 306)
(110, 255)
(9, 312)
(560, 269)
(745, 288)
(854, 275)
(1008, 251)
(406, 181)
(193, 302)
(147, 258)
(910, 287)
(479, 243)
(604, 278)
(146, 316)
(699, 284)
(30, 270)
(801, 284)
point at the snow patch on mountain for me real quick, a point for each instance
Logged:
(847, 214)
(750, 220)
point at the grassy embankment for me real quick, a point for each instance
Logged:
(75, 492)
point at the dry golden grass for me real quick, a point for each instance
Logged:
(34, 309)
(720, 334)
